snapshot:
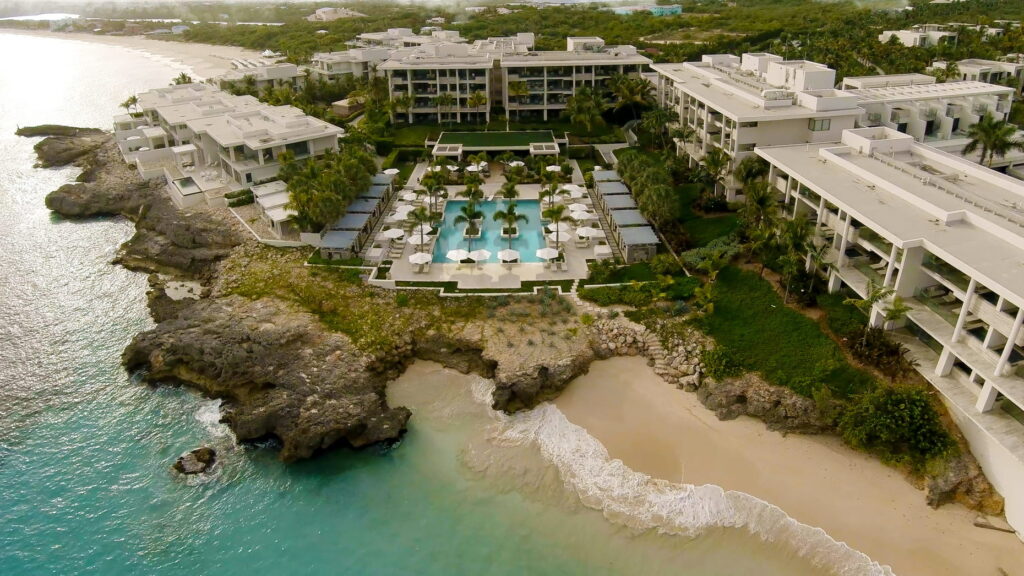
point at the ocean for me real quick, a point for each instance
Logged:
(86, 449)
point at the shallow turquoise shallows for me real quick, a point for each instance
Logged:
(85, 449)
(530, 232)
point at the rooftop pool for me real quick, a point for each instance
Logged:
(530, 238)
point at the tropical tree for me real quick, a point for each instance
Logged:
(716, 163)
(993, 137)
(683, 132)
(421, 218)
(556, 214)
(469, 215)
(760, 208)
(182, 78)
(875, 294)
(818, 256)
(401, 104)
(790, 264)
(510, 219)
(633, 92)
(549, 194)
(896, 310)
(476, 101)
(509, 190)
(759, 241)
(517, 90)
(130, 103)
(471, 192)
(751, 169)
(656, 123)
(444, 102)
(713, 264)
(584, 108)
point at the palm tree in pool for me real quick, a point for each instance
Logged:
(422, 218)
(993, 137)
(556, 214)
(548, 195)
(473, 193)
(509, 190)
(517, 90)
(470, 216)
(476, 101)
(510, 220)
(443, 102)
(434, 190)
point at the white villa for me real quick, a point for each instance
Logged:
(356, 63)
(922, 35)
(205, 142)
(263, 77)
(406, 38)
(948, 236)
(992, 71)
(737, 103)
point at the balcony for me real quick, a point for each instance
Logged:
(940, 301)
(945, 273)
(873, 241)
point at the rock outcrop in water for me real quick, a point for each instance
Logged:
(197, 461)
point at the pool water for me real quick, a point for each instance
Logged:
(530, 238)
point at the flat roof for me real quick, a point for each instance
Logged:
(363, 205)
(638, 236)
(496, 140)
(607, 56)
(273, 187)
(383, 178)
(629, 218)
(375, 191)
(268, 201)
(619, 202)
(339, 239)
(606, 175)
(351, 221)
(965, 214)
(280, 214)
(611, 188)
(920, 91)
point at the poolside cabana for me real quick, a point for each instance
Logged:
(606, 176)
(637, 243)
(377, 191)
(357, 222)
(271, 199)
(370, 206)
(618, 202)
(385, 182)
(338, 244)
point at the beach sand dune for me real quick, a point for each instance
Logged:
(659, 430)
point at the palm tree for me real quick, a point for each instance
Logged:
(421, 217)
(182, 78)
(758, 243)
(716, 162)
(760, 208)
(897, 310)
(875, 294)
(713, 264)
(656, 121)
(130, 103)
(472, 192)
(818, 255)
(477, 100)
(750, 170)
(469, 215)
(549, 194)
(517, 90)
(993, 137)
(509, 190)
(510, 220)
(401, 104)
(434, 190)
(443, 102)
(683, 132)
(556, 214)
(585, 108)
(632, 92)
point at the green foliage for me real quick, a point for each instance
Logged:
(321, 188)
(842, 319)
(720, 364)
(702, 231)
(586, 319)
(640, 294)
(726, 247)
(607, 272)
(898, 423)
(242, 199)
(787, 348)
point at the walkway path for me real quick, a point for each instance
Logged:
(608, 152)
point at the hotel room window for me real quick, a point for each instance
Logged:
(819, 125)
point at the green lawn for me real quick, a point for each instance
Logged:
(496, 139)
(704, 230)
(787, 348)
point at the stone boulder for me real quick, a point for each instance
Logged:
(197, 461)
(780, 408)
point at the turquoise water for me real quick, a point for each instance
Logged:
(530, 232)
(85, 449)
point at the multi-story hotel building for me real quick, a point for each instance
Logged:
(356, 63)
(205, 142)
(948, 236)
(263, 77)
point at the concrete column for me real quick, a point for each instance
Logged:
(1003, 366)
(945, 364)
(987, 398)
(965, 310)
(821, 215)
(892, 265)
(910, 272)
(847, 224)
(834, 282)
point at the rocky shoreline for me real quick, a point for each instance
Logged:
(282, 374)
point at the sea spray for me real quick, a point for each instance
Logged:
(643, 503)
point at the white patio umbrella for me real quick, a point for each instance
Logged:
(517, 163)
(577, 207)
(420, 258)
(588, 232)
(392, 171)
(561, 227)
(457, 255)
(480, 255)
(435, 168)
(573, 190)
(581, 215)
(554, 168)
(453, 167)
(398, 216)
(557, 237)
(482, 165)
(418, 239)
(598, 167)
(393, 233)
(547, 253)
(472, 168)
(410, 196)
(508, 255)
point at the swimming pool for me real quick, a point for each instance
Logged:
(529, 241)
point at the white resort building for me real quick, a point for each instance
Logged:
(992, 71)
(921, 36)
(263, 77)
(358, 63)
(948, 236)
(206, 143)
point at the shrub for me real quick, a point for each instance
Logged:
(242, 199)
(586, 319)
(665, 264)
(383, 146)
(390, 161)
(719, 363)
(401, 300)
(897, 423)
(727, 246)
(578, 152)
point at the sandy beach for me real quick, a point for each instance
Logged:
(659, 430)
(202, 60)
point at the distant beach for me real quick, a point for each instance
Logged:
(659, 430)
(204, 60)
